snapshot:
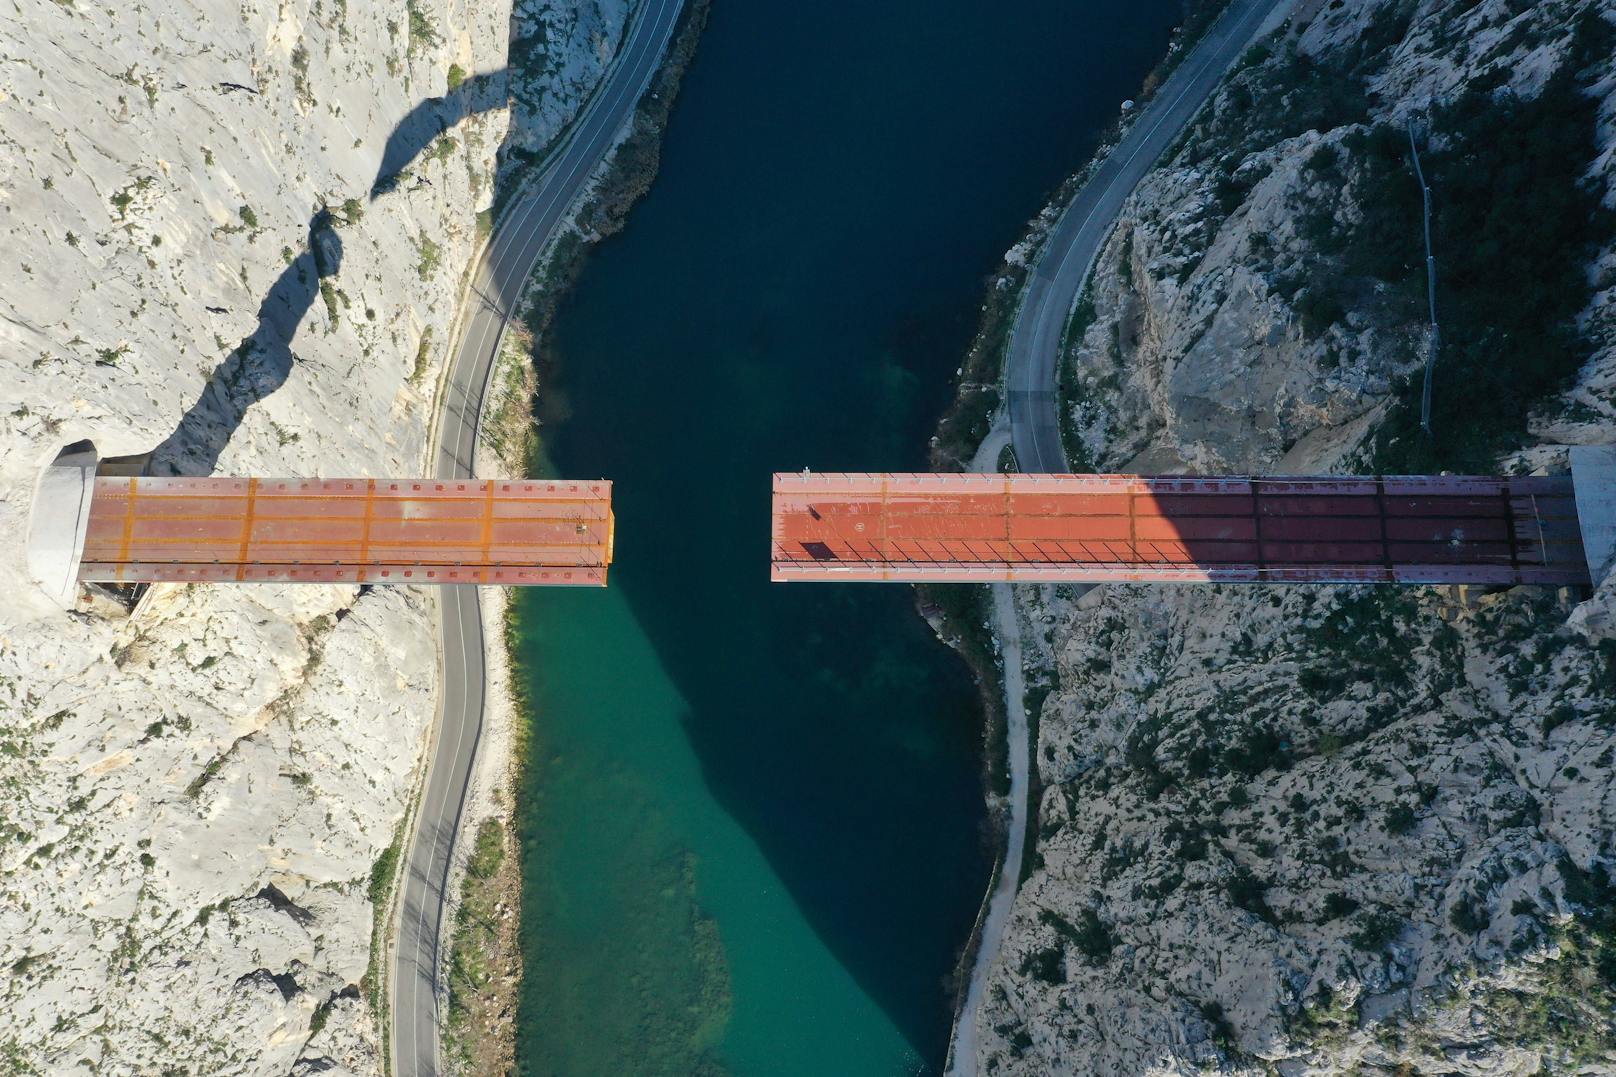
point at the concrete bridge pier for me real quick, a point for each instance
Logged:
(1593, 475)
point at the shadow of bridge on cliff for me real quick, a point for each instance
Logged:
(265, 359)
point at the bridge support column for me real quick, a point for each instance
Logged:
(1593, 474)
(58, 519)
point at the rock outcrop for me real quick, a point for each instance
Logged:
(1336, 830)
(236, 236)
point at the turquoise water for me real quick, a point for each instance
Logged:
(752, 827)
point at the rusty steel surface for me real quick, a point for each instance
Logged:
(348, 531)
(1100, 528)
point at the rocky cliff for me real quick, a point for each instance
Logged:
(236, 236)
(1337, 830)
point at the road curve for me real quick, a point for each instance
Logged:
(520, 237)
(1034, 423)
(1064, 262)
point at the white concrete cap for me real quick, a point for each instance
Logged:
(1593, 473)
(58, 519)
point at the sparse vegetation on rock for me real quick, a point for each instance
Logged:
(1337, 830)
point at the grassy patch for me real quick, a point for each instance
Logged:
(125, 198)
(1567, 1009)
(1199, 15)
(1273, 96)
(328, 293)
(482, 956)
(1326, 1021)
(442, 149)
(1511, 214)
(508, 424)
(300, 74)
(431, 256)
(1033, 706)
(1572, 1009)
(423, 357)
(379, 887)
(423, 31)
(382, 872)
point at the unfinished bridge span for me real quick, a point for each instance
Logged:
(1102, 528)
(144, 529)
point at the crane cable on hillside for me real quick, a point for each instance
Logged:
(1430, 284)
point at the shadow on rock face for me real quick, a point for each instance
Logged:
(431, 118)
(256, 368)
(264, 360)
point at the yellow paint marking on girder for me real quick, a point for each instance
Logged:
(1009, 572)
(488, 524)
(128, 526)
(364, 534)
(246, 529)
(374, 544)
(886, 573)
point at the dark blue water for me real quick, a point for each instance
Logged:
(752, 827)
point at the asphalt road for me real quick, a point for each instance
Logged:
(1034, 425)
(521, 236)
(1064, 262)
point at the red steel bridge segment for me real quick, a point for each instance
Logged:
(1102, 528)
(252, 530)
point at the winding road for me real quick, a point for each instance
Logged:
(521, 235)
(1064, 262)
(1032, 414)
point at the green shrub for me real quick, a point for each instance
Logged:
(1319, 307)
(423, 357)
(1217, 1025)
(442, 148)
(1376, 931)
(1089, 935)
(431, 256)
(1046, 965)
(1248, 892)
(381, 874)
(1470, 915)
(1257, 750)
(423, 31)
(1338, 905)
(1559, 716)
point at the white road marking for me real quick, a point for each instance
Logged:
(1039, 321)
(962, 1060)
(600, 121)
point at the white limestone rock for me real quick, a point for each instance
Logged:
(1311, 830)
(1202, 352)
(192, 797)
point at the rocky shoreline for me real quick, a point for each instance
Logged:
(485, 960)
(1328, 830)
(962, 617)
